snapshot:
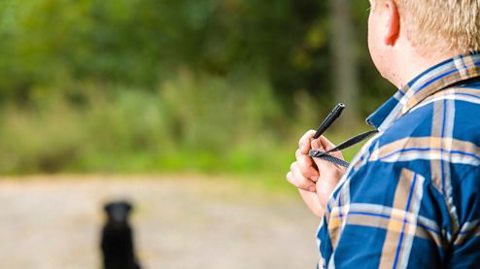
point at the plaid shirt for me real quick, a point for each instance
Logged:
(411, 197)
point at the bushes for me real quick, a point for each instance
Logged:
(191, 122)
(152, 85)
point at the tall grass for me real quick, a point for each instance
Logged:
(191, 122)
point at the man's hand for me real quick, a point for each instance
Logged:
(314, 178)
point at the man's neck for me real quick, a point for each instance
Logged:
(411, 64)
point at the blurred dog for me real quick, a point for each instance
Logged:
(117, 237)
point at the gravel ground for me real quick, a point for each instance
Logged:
(182, 222)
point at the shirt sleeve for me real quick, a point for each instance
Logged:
(464, 247)
(384, 216)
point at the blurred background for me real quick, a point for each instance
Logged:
(208, 98)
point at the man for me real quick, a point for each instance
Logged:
(411, 196)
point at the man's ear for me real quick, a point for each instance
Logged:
(392, 22)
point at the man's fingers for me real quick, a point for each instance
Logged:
(326, 143)
(315, 178)
(304, 142)
(304, 183)
(325, 167)
(307, 166)
(313, 202)
(319, 144)
(295, 181)
(296, 178)
(323, 144)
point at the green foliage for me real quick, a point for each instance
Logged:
(147, 85)
(139, 42)
(190, 122)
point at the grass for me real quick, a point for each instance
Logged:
(192, 123)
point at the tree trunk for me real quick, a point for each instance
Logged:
(346, 85)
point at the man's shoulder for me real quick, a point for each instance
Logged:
(453, 113)
(443, 129)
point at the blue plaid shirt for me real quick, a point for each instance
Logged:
(411, 197)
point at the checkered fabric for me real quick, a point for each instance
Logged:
(411, 197)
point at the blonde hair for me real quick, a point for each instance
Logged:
(441, 24)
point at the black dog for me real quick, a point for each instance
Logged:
(117, 238)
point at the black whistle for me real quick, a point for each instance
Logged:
(329, 120)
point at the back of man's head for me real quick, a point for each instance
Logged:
(440, 25)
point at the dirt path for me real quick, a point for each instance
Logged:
(180, 223)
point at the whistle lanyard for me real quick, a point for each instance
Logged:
(325, 155)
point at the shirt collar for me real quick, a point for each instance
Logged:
(436, 78)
